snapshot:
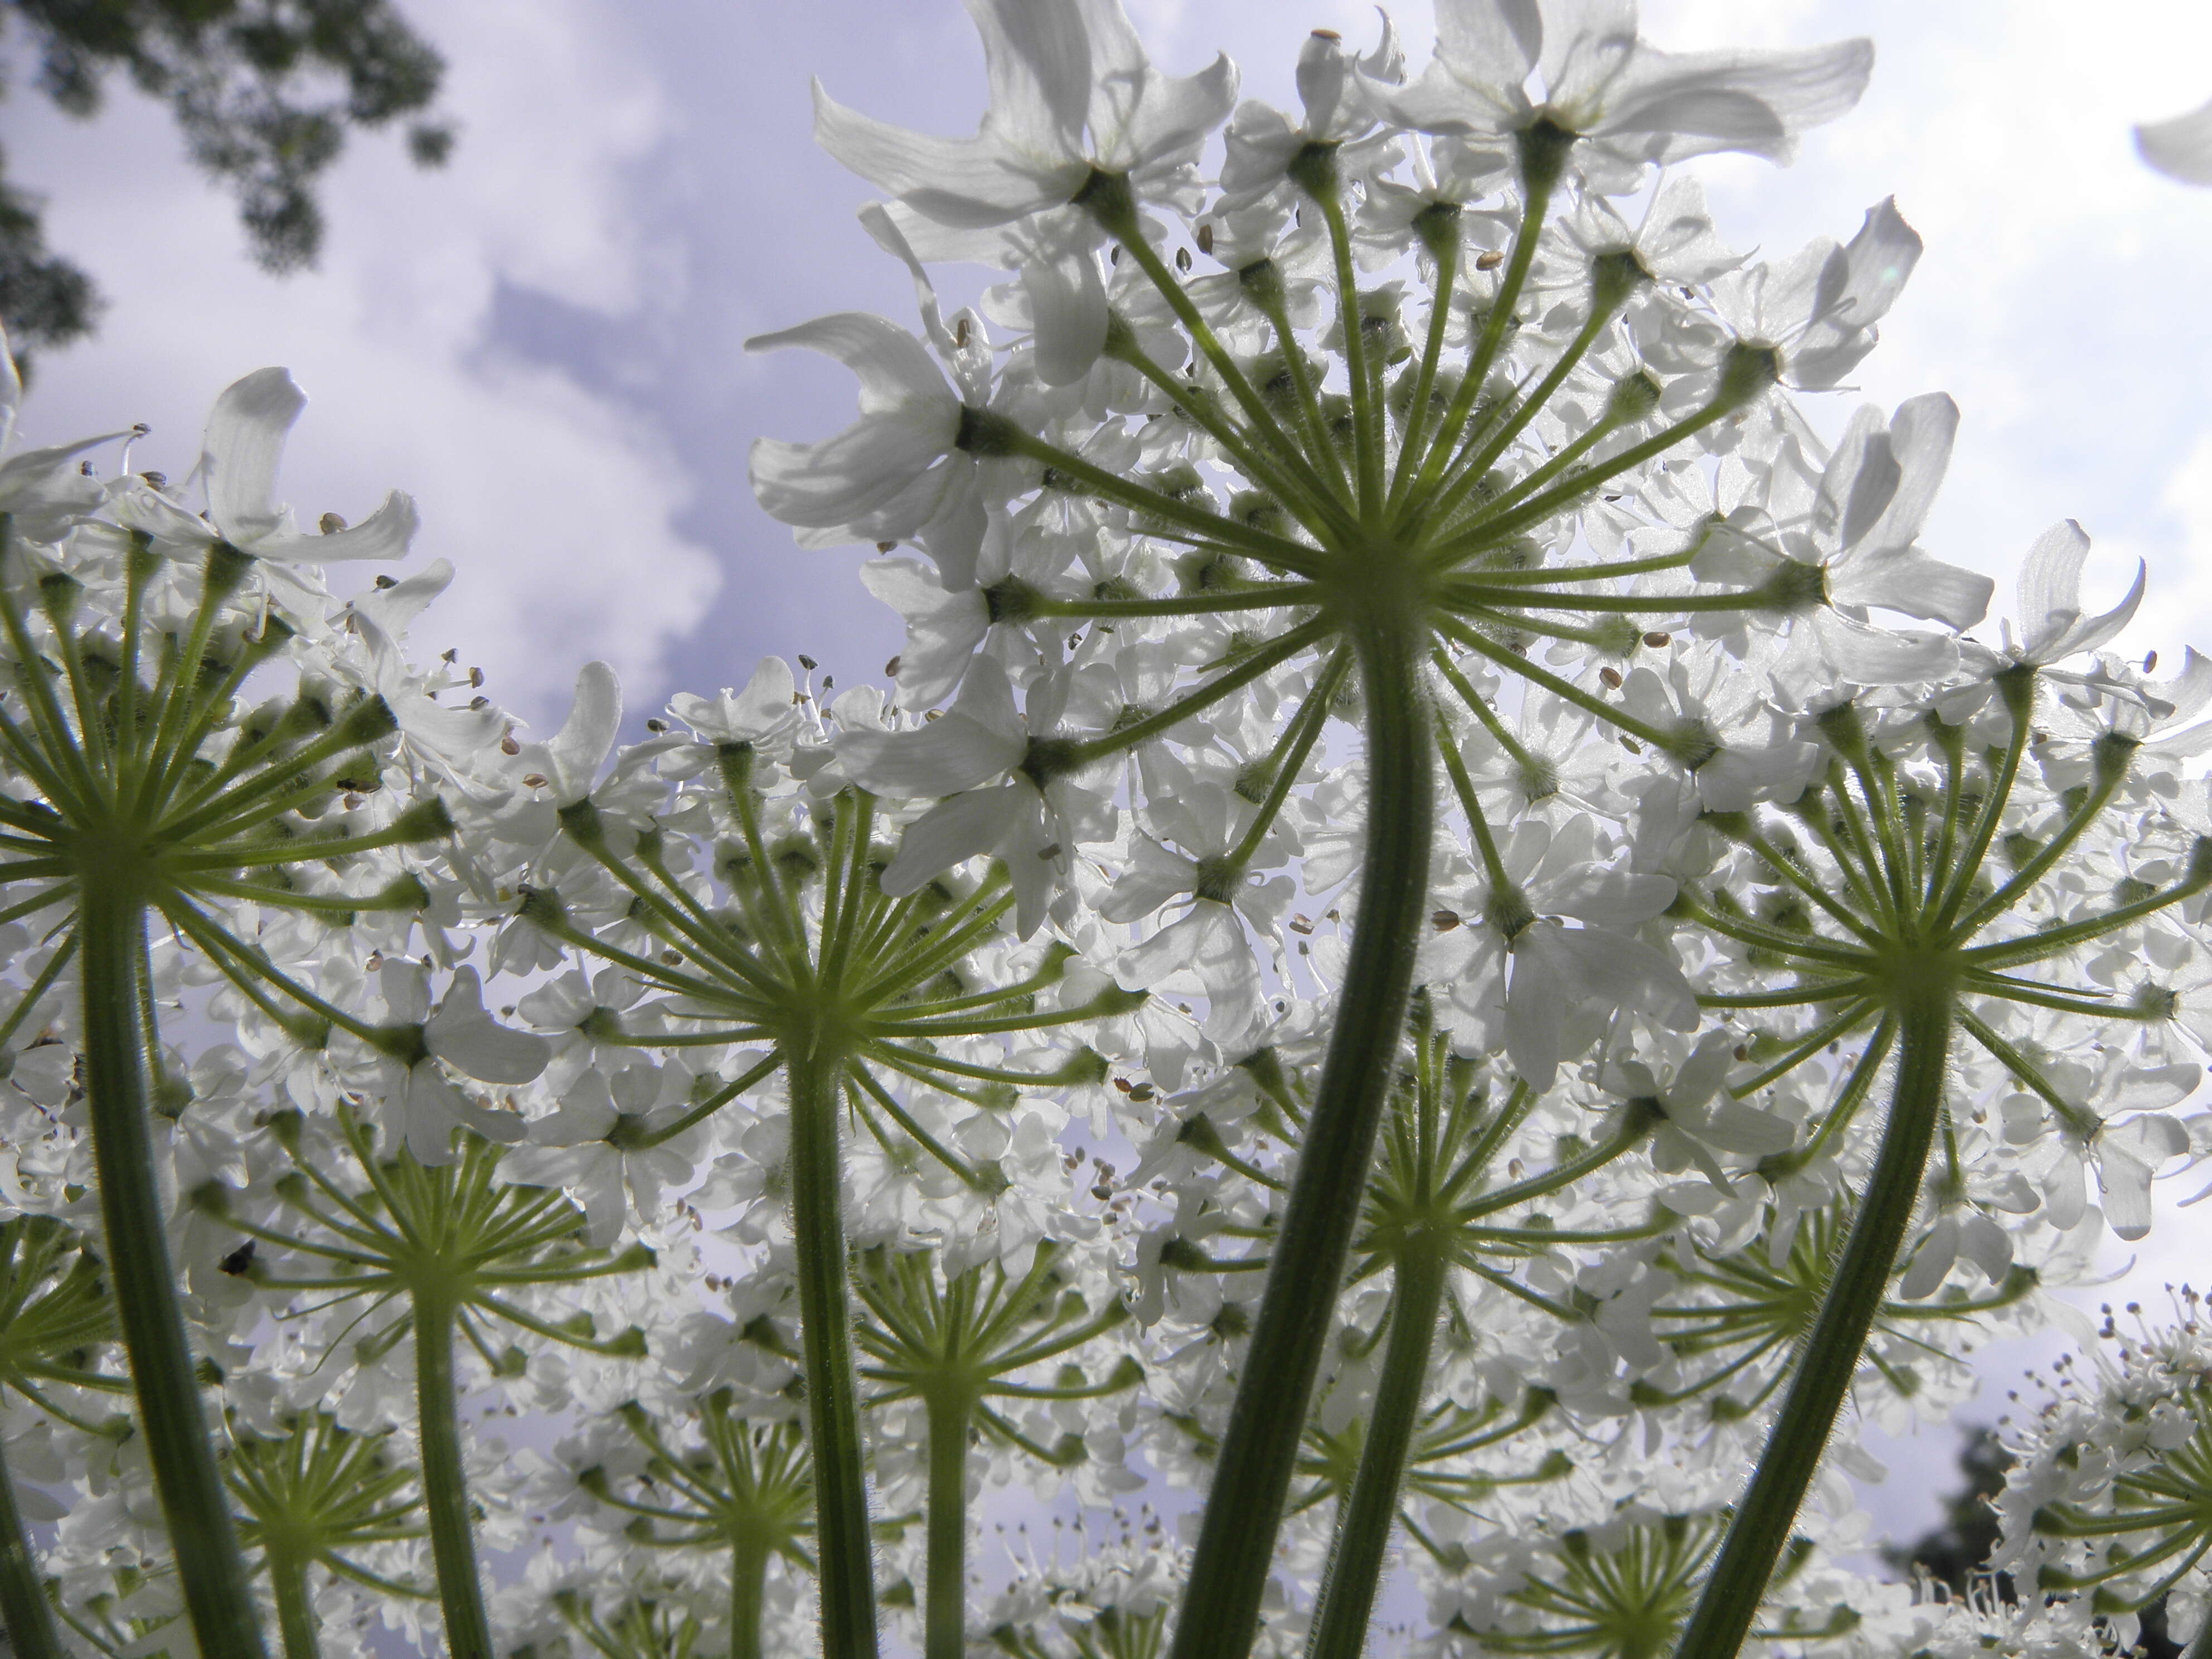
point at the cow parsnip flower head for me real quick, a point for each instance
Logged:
(1278, 464)
(2105, 1504)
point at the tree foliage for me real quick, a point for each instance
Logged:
(264, 93)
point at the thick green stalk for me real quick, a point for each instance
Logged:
(111, 929)
(2201, 1647)
(944, 1614)
(445, 1483)
(1370, 1511)
(1298, 1311)
(747, 1597)
(23, 1604)
(295, 1608)
(833, 1413)
(1768, 1509)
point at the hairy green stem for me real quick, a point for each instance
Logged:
(295, 1608)
(1364, 1523)
(1297, 1310)
(23, 1604)
(111, 929)
(1768, 1509)
(944, 1615)
(747, 1597)
(444, 1483)
(833, 1413)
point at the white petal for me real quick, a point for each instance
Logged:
(2181, 149)
(956, 181)
(385, 612)
(942, 630)
(1610, 898)
(1734, 1126)
(574, 755)
(2126, 1185)
(11, 390)
(2050, 616)
(1875, 656)
(385, 534)
(244, 437)
(954, 830)
(895, 369)
(1921, 436)
(1171, 119)
(463, 1035)
(1931, 1262)
(1695, 103)
(1153, 875)
(943, 758)
(1067, 309)
(1913, 585)
(1489, 43)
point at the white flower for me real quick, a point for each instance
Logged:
(765, 710)
(1072, 91)
(456, 738)
(1599, 80)
(1702, 1118)
(942, 629)
(1539, 989)
(2053, 625)
(971, 757)
(1819, 308)
(1339, 109)
(40, 490)
(569, 760)
(573, 1150)
(892, 468)
(239, 453)
(462, 1034)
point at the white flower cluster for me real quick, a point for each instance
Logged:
(1442, 939)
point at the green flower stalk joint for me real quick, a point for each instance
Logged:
(316, 1496)
(952, 1341)
(861, 994)
(55, 1316)
(147, 795)
(457, 1255)
(749, 1490)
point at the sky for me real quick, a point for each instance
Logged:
(544, 341)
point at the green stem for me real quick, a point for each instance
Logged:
(295, 1608)
(444, 1483)
(1364, 1525)
(23, 1604)
(833, 1415)
(1763, 1519)
(111, 928)
(945, 1616)
(747, 1597)
(1298, 1311)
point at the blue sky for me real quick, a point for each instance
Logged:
(544, 343)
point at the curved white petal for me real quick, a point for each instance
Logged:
(2180, 148)
(952, 832)
(239, 452)
(463, 1035)
(573, 756)
(956, 181)
(1067, 311)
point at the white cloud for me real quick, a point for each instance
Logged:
(2188, 496)
(555, 505)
